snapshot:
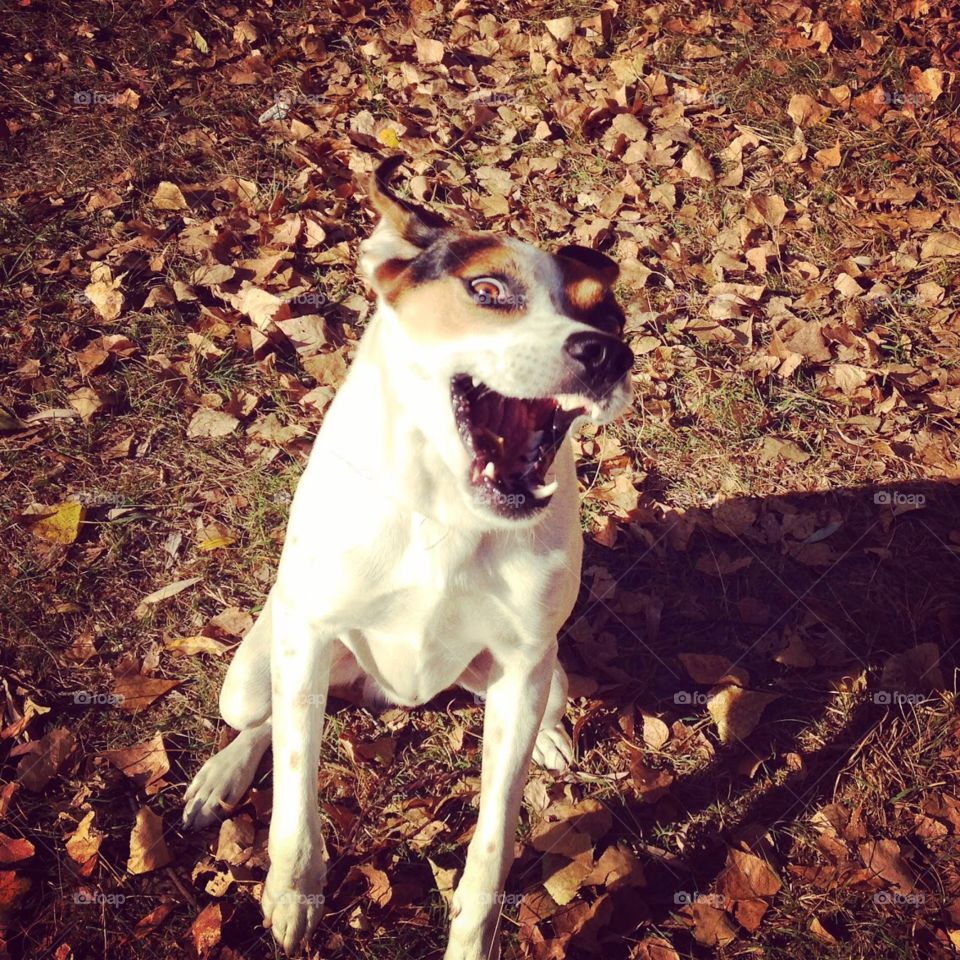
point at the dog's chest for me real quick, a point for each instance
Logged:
(436, 606)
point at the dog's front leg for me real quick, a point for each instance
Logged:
(300, 665)
(515, 701)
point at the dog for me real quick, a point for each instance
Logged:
(433, 540)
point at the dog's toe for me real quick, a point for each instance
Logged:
(215, 788)
(290, 913)
(553, 749)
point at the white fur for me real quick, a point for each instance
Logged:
(394, 571)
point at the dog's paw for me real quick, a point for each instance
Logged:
(293, 908)
(220, 784)
(553, 749)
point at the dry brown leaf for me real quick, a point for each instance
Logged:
(655, 732)
(804, 111)
(211, 423)
(14, 849)
(883, 859)
(106, 297)
(148, 849)
(713, 669)
(13, 887)
(653, 948)
(746, 877)
(145, 764)
(206, 930)
(135, 692)
(168, 196)
(737, 712)
(561, 28)
(190, 646)
(83, 844)
(45, 757)
(940, 245)
(711, 926)
(696, 165)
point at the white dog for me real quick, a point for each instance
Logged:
(433, 540)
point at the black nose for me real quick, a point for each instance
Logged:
(601, 359)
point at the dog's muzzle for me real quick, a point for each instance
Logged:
(600, 361)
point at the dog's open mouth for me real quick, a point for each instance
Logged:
(512, 443)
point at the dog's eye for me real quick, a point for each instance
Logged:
(488, 291)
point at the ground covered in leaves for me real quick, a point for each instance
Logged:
(763, 656)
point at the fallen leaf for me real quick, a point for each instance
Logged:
(882, 858)
(63, 525)
(168, 196)
(736, 711)
(145, 763)
(39, 766)
(696, 165)
(14, 849)
(746, 877)
(804, 111)
(211, 423)
(148, 849)
(135, 692)
(206, 930)
(83, 844)
(713, 669)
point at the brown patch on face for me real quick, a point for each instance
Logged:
(294, 760)
(585, 293)
(431, 293)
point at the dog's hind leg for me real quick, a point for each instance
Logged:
(554, 748)
(245, 695)
(245, 705)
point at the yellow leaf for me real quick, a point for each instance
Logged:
(388, 137)
(200, 43)
(197, 644)
(215, 543)
(63, 525)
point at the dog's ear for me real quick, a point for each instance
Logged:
(604, 269)
(404, 229)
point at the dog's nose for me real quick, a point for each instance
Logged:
(602, 359)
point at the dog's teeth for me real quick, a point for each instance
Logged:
(475, 381)
(490, 470)
(544, 491)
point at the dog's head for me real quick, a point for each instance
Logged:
(499, 346)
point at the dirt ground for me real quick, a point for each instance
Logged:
(763, 657)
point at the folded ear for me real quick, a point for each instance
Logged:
(604, 269)
(403, 231)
